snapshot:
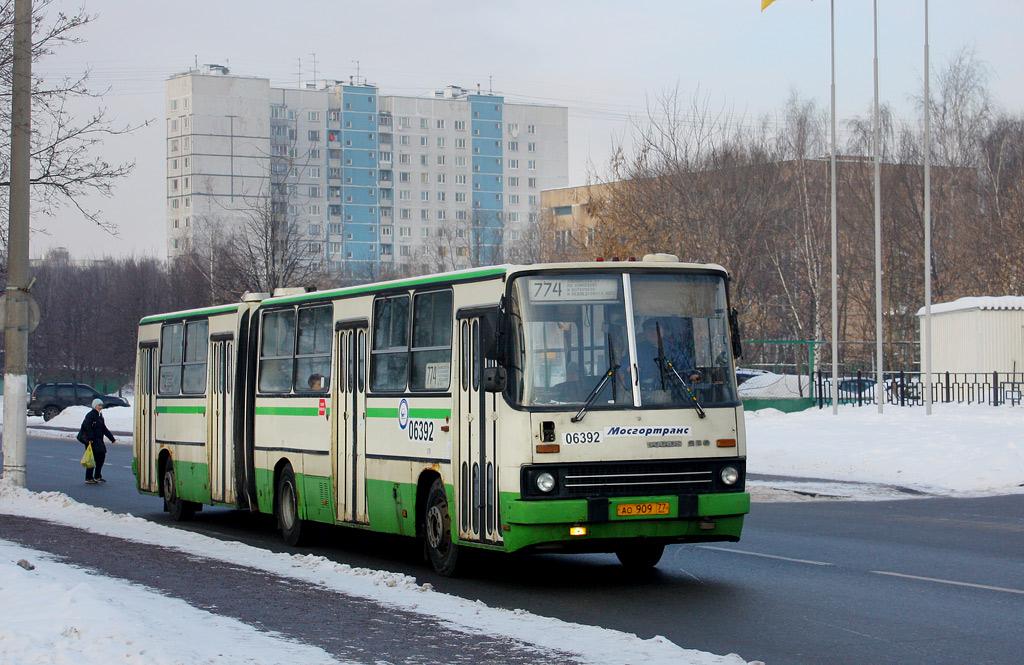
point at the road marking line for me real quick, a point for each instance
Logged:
(766, 556)
(933, 579)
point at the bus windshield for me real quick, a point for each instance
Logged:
(664, 336)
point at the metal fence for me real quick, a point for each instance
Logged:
(908, 388)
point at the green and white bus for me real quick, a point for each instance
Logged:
(583, 407)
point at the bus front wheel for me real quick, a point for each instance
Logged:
(641, 556)
(178, 508)
(288, 507)
(443, 552)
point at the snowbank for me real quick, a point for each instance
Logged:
(966, 449)
(594, 645)
(776, 386)
(56, 613)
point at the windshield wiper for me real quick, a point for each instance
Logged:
(595, 392)
(664, 363)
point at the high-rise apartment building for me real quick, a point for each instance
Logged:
(366, 180)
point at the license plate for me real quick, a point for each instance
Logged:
(642, 509)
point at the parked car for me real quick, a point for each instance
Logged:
(851, 390)
(852, 387)
(49, 399)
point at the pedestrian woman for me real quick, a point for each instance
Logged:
(95, 429)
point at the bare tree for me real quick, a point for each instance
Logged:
(526, 246)
(264, 241)
(267, 248)
(1001, 251)
(446, 248)
(89, 316)
(65, 169)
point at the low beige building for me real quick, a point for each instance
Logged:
(569, 219)
(978, 334)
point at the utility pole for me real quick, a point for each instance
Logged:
(16, 324)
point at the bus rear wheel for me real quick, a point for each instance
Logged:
(641, 556)
(178, 508)
(443, 553)
(288, 508)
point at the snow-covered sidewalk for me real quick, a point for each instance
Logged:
(82, 611)
(56, 613)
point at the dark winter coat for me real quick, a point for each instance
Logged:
(95, 428)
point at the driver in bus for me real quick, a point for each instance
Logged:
(648, 356)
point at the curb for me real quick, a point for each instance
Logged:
(58, 428)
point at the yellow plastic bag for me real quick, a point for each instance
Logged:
(88, 459)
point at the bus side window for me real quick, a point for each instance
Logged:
(431, 341)
(196, 349)
(361, 361)
(313, 356)
(276, 351)
(389, 358)
(170, 358)
(465, 355)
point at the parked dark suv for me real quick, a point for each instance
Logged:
(49, 399)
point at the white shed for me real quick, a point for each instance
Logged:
(979, 334)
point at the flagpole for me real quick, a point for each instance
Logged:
(879, 376)
(927, 351)
(835, 235)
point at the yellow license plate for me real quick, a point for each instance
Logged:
(642, 509)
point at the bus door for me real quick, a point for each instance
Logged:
(145, 409)
(220, 423)
(349, 422)
(476, 493)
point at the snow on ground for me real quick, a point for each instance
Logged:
(961, 449)
(55, 600)
(56, 613)
(118, 419)
(778, 386)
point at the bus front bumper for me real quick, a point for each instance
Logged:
(604, 524)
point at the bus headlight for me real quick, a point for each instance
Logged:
(729, 475)
(545, 482)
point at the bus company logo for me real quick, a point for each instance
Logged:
(403, 414)
(676, 443)
(646, 431)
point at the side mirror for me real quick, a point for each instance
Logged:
(493, 380)
(734, 332)
(491, 338)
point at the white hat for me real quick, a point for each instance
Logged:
(97, 402)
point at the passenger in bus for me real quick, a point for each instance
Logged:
(316, 382)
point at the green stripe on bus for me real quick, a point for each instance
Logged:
(181, 409)
(406, 283)
(413, 413)
(206, 311)
(290, 411)
(430, 413)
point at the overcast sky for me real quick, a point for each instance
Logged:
(603, 60)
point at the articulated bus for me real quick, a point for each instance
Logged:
(584, 407)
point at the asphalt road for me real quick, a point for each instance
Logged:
(914, 581)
